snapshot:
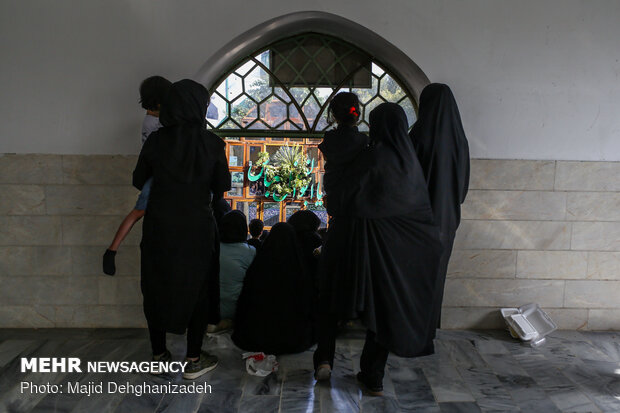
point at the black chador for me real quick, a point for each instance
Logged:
(306, 224)
(274, 310)
(380, 259)
(180, 249)
(443, 152)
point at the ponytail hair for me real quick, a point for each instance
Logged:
(344, 108)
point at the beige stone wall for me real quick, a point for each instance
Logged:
(538, 231)
(542, 231)
(57, 215)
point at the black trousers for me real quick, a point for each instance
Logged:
(195, 332)
(374, 356)
(373, 360)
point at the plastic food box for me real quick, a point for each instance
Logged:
(529, 323)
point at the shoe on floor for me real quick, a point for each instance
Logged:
(372, 390)
(205, 363)
(323, 372)
(166, 357)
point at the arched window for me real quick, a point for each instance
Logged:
(284, 89)
(270, 106)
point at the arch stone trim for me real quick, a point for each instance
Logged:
(289, 25)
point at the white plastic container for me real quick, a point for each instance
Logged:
(529, 323)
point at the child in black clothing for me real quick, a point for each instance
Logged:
(152, 92)
(345, 142)
(340, 146)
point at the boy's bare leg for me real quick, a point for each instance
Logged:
(134, 216)
(109, 266)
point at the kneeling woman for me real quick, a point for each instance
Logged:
(274, 311)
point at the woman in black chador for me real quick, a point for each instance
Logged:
(180, 248)
(382, 251)
(442, 150)
(274, 310)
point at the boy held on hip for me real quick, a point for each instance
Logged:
(152, 92)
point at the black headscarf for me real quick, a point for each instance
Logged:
(306, 224)
(233, 227)
(388, 125)
(280, 249)
(185, 103)
(443, 152)
(186, 145)
(305, 221)
(387, 182)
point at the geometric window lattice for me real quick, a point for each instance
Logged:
(321, 61)
(284, 90)
(278, 96)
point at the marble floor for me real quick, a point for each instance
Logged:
(472, 371)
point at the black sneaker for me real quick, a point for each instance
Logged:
(166, 357)
(205, 363)
(372, 389)
(109, 266)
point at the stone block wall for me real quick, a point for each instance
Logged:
(57, 215)
(532, 231)
(538, 231)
